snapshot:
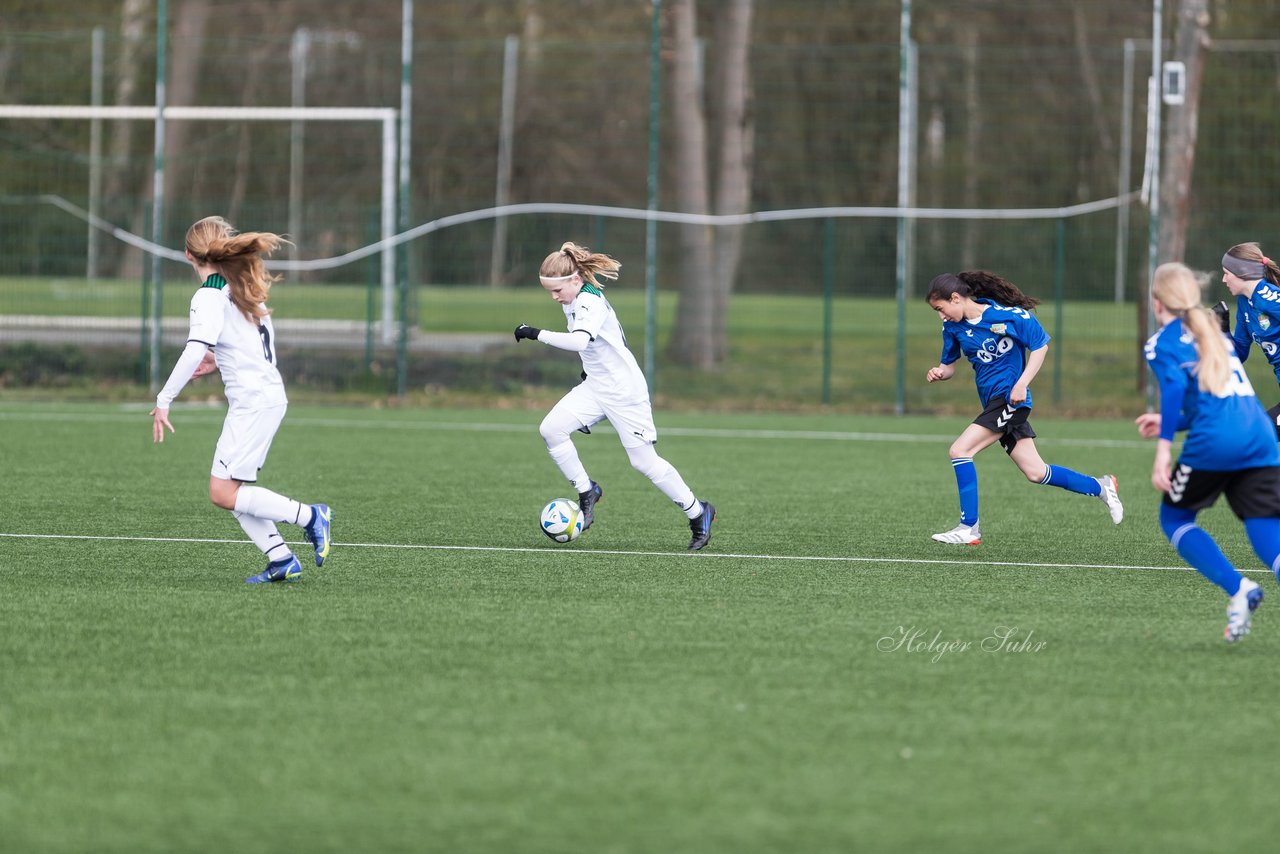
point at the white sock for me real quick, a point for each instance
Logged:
(645, 460)
(565, 456)
(265, 504)
(264, 535)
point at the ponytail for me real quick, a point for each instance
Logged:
(238, 259)
(1175, 286)
(978, 283)
(572, 258)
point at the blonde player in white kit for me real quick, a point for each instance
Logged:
(231, 332)
(613, 387)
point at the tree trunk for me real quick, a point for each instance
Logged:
(1089, 73)
(692, 341)
(187, 42)
(973, 155)
(135, 15)
(186, 47)
(737, 148)
(1191, 42)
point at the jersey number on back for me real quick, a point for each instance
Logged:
(266, 341)
(1238, 384)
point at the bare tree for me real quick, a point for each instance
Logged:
(1191, 42)
(135, 17)
(736, 152)
(186, 49)
(692, 340)
(973, 153)
(709, 257)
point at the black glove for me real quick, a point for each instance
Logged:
(1224, 316)
(524, 330)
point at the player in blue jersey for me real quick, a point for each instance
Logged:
(988, 320)
(1230, 446)
(231, 332)
(613, 387)
(1254, 280)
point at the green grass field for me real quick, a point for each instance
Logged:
(452, 681)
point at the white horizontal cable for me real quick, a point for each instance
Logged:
(619, 213)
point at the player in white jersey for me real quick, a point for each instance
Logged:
(613, 387)
(231, 332)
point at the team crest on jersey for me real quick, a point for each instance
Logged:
(999, 328)
(1264, 321)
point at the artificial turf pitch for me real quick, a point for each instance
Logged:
(823, 677)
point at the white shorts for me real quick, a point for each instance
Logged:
(632, 419)
(246, 438)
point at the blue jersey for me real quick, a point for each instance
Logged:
(996, 344)
(1224, 433)
(1258, 320)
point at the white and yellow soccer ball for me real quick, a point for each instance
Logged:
(562, 520)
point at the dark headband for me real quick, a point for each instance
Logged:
(1250, 271)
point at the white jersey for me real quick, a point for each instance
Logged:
(611, 368)
(246, 351)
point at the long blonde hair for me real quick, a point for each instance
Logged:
(238, 259)
(1175, 286)
(572, 258)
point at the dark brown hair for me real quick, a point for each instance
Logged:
(979, 283)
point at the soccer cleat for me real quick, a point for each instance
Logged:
(317, 531)
(1110, 496)
(284, 570)
(700, 525)
(961, 535)
(1240, 610)
(587, 504)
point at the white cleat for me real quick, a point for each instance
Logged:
(1240, 610)
(1110, 496)
(960, 535)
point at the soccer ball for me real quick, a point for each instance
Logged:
(562, 520)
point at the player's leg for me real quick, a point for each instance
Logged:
(644, 459)
(974, 439)
(1178, 509)
(1254, 496)
(1022, 450)
(634, 424)
(241, 451)
(576, 410)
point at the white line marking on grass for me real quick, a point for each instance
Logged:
(492, 427)
(623, 553)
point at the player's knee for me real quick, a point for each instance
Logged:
(553, 434)
(1035, 474)
(1174, 518)
(958, 451)
(223, 494)
(648, 463)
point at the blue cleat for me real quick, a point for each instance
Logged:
(317, 532)
(701, 526)
(281, 570)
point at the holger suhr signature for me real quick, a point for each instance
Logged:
(1003, 639)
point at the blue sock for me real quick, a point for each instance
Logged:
(1198, 548)
(967, 484)
(1072, 481)
(1264, 536)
